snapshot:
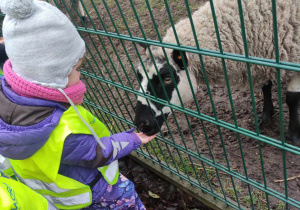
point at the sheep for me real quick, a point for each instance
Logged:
(260, 39)
(71, 7)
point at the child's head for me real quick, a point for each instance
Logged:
(41, 43)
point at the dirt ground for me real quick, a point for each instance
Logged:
(272, 156)
(155, 192)
(112, 58)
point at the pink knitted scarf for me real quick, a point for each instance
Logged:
(32, 90)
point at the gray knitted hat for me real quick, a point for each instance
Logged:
(41, 42)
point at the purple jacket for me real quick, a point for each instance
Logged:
(26, 124)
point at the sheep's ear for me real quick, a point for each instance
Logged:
(178, 59)
(145, 46)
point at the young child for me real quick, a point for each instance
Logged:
(55, 146)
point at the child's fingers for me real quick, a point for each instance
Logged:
(152, 137)
(144, 138)
(149, 138)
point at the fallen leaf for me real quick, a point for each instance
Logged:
(153, 195)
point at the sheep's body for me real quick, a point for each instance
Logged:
(258, 21)
(259, 30)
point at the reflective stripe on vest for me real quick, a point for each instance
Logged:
(40, 171)
(39, 185)
(15, 195)
(62, 198)
(109, 172)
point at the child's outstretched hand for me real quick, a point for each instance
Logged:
(144, 138)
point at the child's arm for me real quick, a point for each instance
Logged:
(83, 150)
(119, 145)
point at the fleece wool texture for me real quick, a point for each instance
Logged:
(258, 20)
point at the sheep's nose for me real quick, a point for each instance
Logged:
(145, 126)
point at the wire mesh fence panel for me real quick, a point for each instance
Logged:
(193, 71)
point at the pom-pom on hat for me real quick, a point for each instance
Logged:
(41, 42)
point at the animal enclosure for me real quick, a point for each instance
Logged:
(216, 142)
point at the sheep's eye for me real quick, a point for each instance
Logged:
(168, 80)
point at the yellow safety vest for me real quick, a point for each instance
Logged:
(40, 171)
(15, 195)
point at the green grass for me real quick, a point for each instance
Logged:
(231, 191)
(259, 200)
(280, 206)
(161, 152)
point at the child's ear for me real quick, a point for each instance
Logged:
(178, 59)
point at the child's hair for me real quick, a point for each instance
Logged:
(41, 42)
(3, 55)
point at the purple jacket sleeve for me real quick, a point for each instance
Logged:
(83, 150)
(120, 145)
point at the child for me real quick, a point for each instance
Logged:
(53, 143)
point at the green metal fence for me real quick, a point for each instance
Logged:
(226, 156)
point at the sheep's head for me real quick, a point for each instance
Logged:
(159, 79)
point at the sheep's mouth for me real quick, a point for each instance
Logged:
(146, 122)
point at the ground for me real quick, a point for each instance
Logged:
(116, 60)
(155, 192)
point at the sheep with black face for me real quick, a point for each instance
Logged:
(260, 39)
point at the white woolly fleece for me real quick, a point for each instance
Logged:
(258, 20)
(41, 42)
